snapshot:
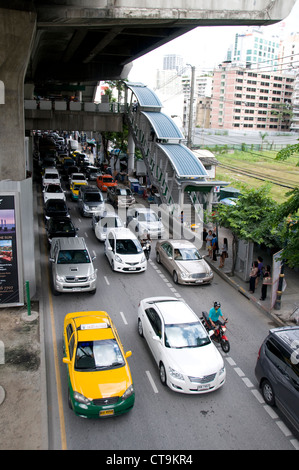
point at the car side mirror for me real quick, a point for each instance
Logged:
(52, 260)
(128, 353)
(66, 360)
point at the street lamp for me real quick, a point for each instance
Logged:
(190, 124)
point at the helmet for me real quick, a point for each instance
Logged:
(217, 304)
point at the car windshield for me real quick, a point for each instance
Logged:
(93, 197)
(124, 192)
(110, 222)
(56, 205)
(61, 226)
(51, 176)
(128, 247)
(73, 257)
(185, 335)
(53, 188)
(186, 254)
(108, 180)
(98, 355)
(78, 176)
(148, 217)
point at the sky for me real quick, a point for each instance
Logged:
(203, 47)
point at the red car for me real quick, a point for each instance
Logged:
(105, 181)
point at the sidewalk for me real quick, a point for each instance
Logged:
(289, 297)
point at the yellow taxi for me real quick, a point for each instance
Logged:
(99, 378)
(74, 189)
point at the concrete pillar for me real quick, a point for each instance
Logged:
(17, 30)
(131, 155)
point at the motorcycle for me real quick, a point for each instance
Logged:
(217, 334)
(146, 246)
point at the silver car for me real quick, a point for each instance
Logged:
(183, 261)
(72, 266)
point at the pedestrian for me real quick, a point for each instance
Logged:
(253, 276)
(223, 253)
(214, 246)
(266, 281)
(204, 236)
(260, 270)
(209, 243)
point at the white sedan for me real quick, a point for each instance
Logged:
(188, 361)
(102, 222)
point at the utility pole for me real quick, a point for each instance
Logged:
(190, 124)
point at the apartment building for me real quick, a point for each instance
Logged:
(243, 98)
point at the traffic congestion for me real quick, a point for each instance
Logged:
(187, 357)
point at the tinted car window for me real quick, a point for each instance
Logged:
(276, 354)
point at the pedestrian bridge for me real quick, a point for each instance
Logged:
(172, 167)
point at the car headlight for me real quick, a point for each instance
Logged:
(92, 276)
(86, 208)
(175, 374)
(128, 392)
(142, 259)
(81, 398)
(185, 275)
(59, 278)
(222, 370)
(118, 259)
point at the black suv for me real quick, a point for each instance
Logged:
(60, 227)
(277, 371)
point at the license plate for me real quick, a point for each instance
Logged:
(76, 289)
(203, 387)
(132, 269)
(106, 412)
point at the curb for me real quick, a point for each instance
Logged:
(242, 291)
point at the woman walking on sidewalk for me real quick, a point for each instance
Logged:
(253, 276)
(224, 253)
(209, 243)
(266, 282)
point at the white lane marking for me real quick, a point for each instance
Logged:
(283, 428)
(123, 317)
(151, 381)
(231, 361)
(270, 411)
(106, 279)
(258, 396)
(239, 372)
(295, 443)
(247, 382)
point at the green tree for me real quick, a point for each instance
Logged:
(251, 219)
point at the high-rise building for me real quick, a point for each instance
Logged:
(173, 62)
(255, 46)
(247, 99)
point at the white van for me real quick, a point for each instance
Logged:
(124, 251)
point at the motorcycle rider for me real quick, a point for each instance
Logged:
(145, 241)
(214, 314)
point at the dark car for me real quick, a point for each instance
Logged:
(60, 227)
(277, 371)
(55, 208)
(122, 197)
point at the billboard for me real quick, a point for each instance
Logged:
(11, 288)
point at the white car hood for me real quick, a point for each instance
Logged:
(131, 258)
(195, 362)
(54, 196)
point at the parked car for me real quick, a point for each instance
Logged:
(184, 262)
(277, 371)
(105, 181)
(99, 378)
(72, 266)
(58, 227)
(144, 219)
(55, 208)
(124, 251)
(53, 191)
(103, 222)
(188, 361)
(120, 197)
(90, 201)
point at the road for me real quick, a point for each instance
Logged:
(234, 417)
(208, 138)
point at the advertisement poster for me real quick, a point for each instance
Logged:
(9, 281)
